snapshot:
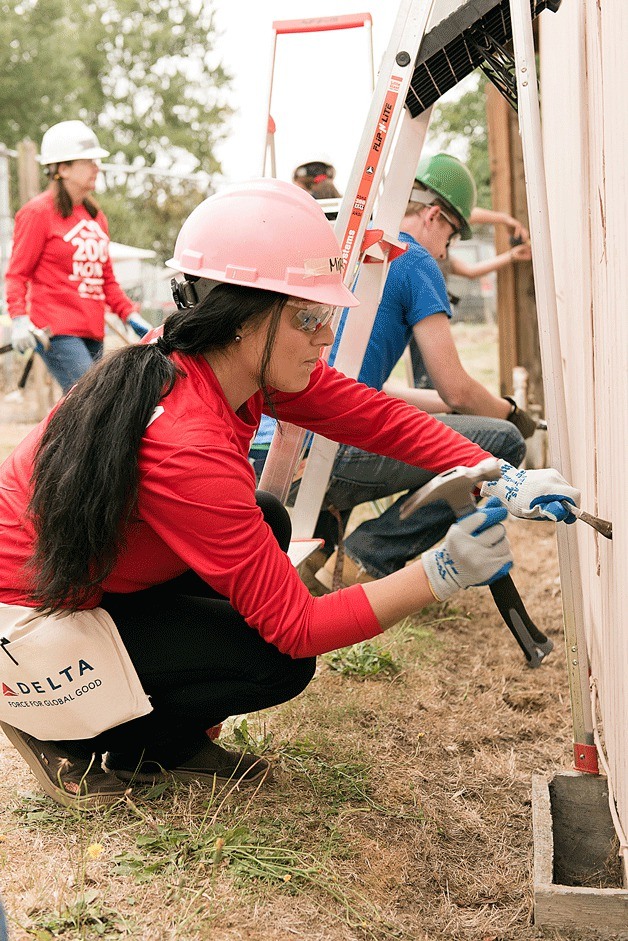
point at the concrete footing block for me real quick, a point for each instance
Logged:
(578, 877)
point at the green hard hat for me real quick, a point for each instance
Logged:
(451, 181)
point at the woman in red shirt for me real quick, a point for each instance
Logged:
(60, 281)
(136, 501)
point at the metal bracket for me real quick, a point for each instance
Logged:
(498, 63)
(585, 758)
(378, 247)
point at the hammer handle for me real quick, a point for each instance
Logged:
(534, 644)
(26, 371)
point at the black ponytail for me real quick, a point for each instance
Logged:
(86, 475)
(62, 199)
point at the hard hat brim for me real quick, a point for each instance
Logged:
(336, 295)
(465, 232)
(96, 153)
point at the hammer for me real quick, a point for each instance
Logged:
(27, 368)
(456, 487)
(44, 335)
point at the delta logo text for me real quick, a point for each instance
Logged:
(67, 685)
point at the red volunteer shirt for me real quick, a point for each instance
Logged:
(60, 273)
(197, 504)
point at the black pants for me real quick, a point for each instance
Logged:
(198, 660)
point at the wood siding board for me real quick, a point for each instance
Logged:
(583, 69)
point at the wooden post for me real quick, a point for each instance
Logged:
(528, 347)
(28, 175)
(27, 171)
(516, 308)
(499, 141)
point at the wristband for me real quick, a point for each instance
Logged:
(515, 407)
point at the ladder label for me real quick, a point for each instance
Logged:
(369, 171)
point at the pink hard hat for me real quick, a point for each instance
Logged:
(265, 234)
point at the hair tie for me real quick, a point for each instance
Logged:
(320, 177)
(164, 346)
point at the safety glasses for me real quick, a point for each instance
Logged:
(310, 319)
(454, 225)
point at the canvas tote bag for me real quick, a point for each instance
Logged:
(67, 675)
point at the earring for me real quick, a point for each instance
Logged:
(237, 338)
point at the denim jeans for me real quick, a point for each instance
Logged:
(3, 925)
(67, 358)
(384, 545)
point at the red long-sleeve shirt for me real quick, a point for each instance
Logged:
(197, 504)
(60, 273)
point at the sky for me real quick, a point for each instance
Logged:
(322, 83)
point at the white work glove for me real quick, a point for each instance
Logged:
(475, 552)
(137, 323)
(25, 335)
(533, 494)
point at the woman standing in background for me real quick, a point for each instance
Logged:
(60, 280)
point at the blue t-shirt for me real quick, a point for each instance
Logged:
(265, 432)
(415, 289)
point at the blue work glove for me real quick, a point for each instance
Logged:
(475, 552)
(138, 324)
(533, 494)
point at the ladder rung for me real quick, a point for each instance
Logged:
(321, 24)
(301, 549)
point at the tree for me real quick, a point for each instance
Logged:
(466, 118)
(150, 217)
(143, 74)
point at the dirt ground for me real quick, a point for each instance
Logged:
(399, 807)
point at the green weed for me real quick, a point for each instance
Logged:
(37, 811)
(363, 660)
(332, 782)
(86, 917)
(249, 860)
(167, 849)
(246, 738)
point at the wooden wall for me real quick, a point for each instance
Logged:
(584, 81)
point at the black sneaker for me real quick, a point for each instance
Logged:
(211, 763)
(72, 782)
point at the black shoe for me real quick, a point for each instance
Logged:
(72, 782)
(211, 763)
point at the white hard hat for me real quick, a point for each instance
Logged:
(70, 140)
